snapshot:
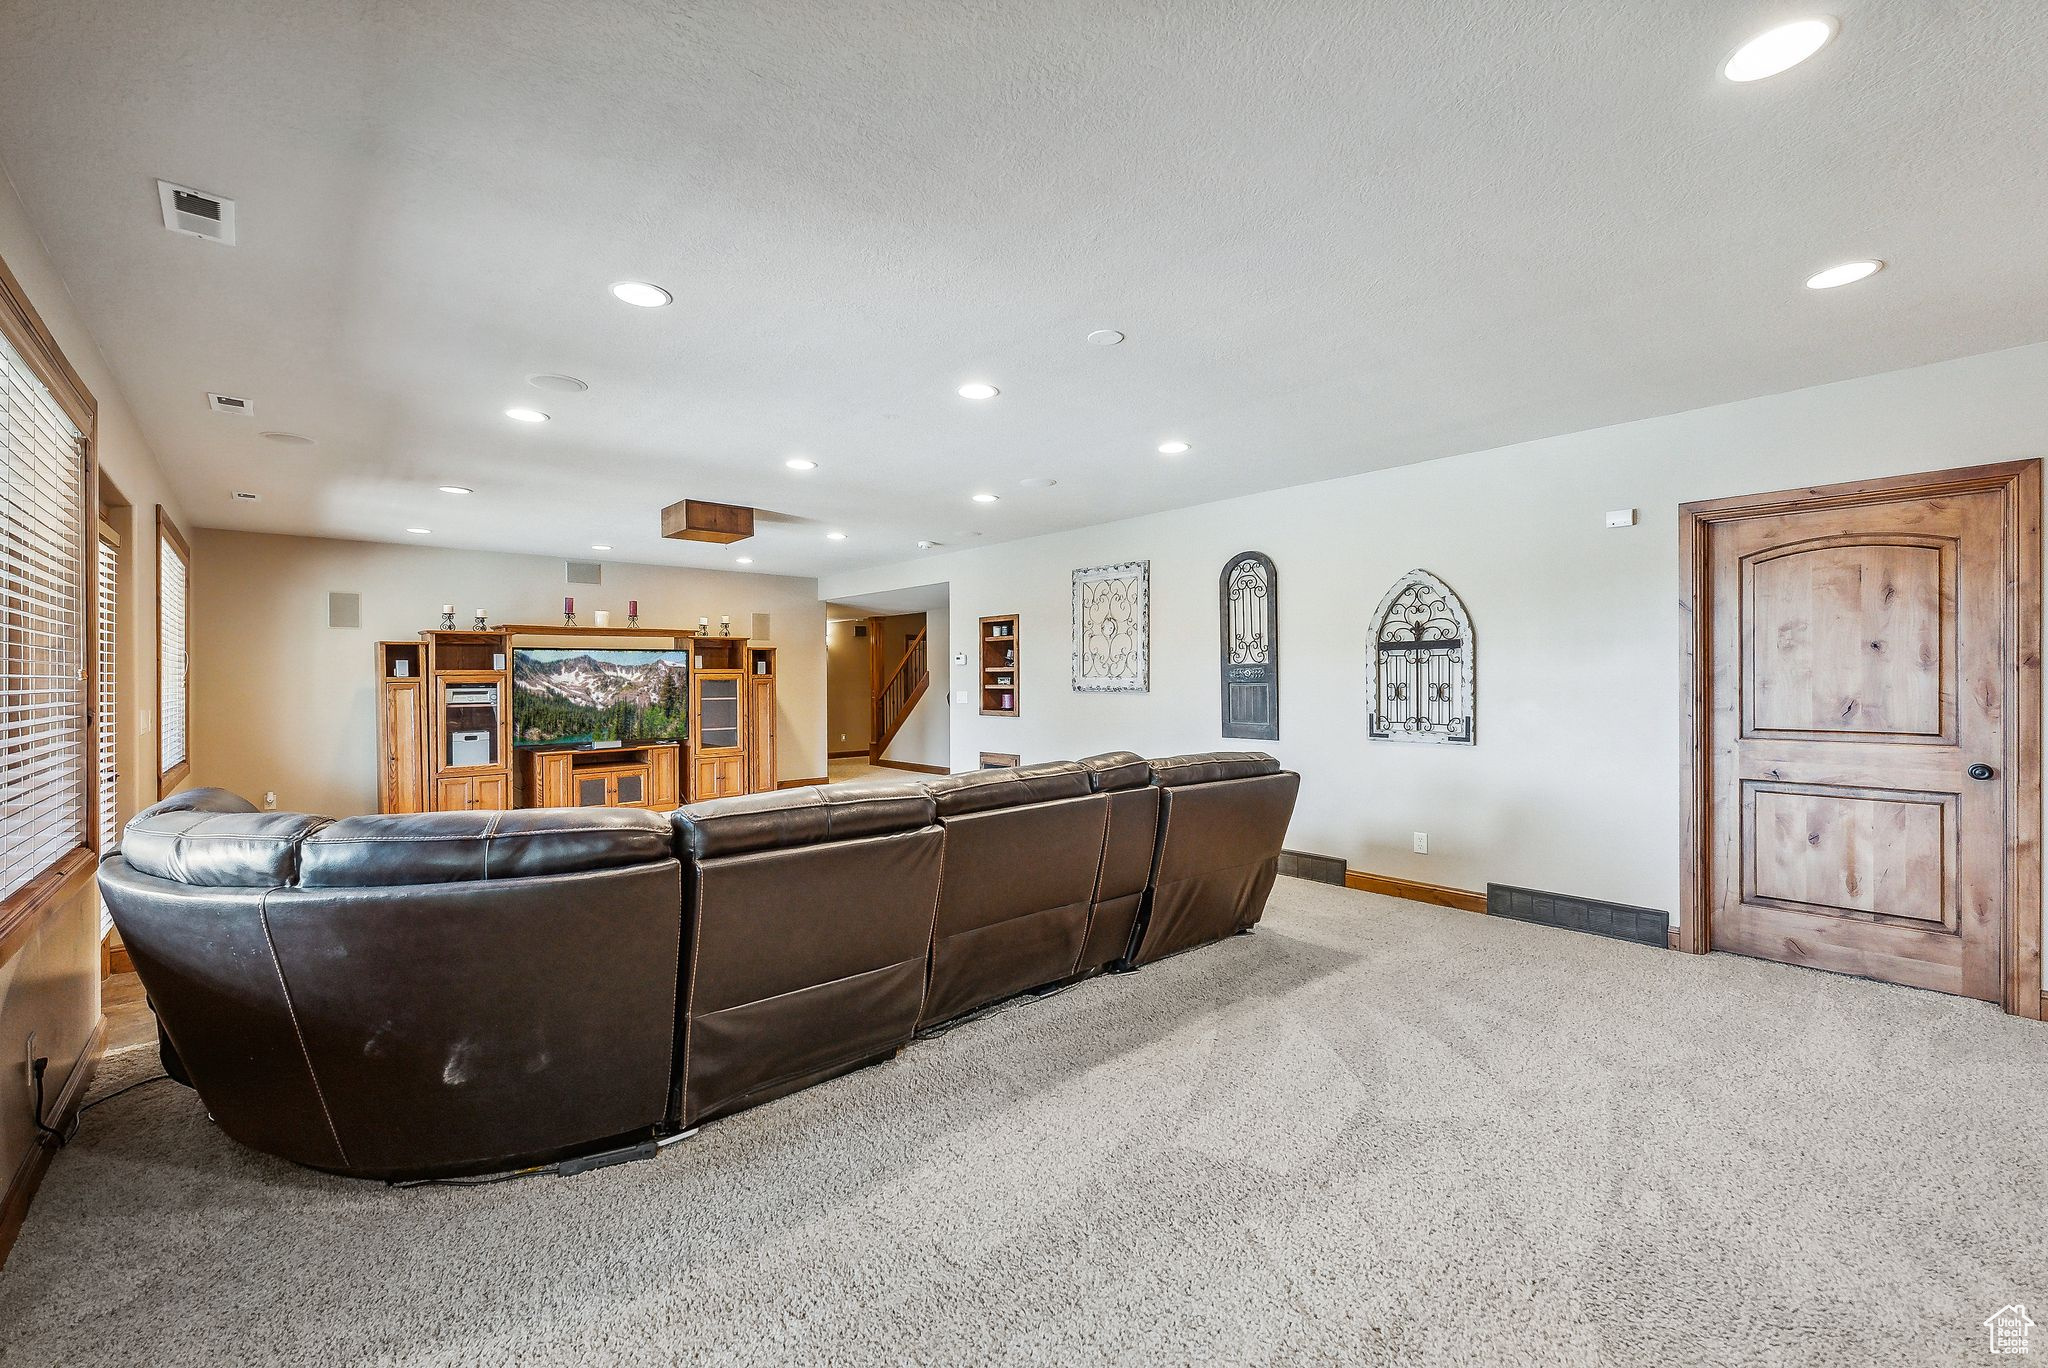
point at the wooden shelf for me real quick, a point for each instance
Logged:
(1000, 700)
(584, 629)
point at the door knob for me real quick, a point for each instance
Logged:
(1981, 771)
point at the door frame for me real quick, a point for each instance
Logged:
(2019, 483)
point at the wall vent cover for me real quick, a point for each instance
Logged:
(196, 213)
(1643, 925)
(585, 572)
(228, 403)
(1302, 864)
(344, 610)
(760, 629)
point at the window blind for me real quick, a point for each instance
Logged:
(107, 578)
(44, 769)
(173, 586)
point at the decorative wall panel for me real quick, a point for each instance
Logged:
(1421, 672)
(1113, 628)
(1248, 607)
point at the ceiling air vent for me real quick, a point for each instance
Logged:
(196, 213)
(228, 403)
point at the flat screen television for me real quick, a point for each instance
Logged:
(582, 698)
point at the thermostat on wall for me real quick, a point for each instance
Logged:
(1622, 517)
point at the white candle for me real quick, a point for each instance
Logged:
(604, 618)
(446, 609)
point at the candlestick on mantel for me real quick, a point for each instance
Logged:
(703, 626)
(632, 612)
(725, 625)
(480, 619)
(447, 617)
(568, 611)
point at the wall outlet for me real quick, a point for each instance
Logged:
(1422, 843)
(270, 801)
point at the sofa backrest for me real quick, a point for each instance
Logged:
(807, 918)
(456, 847)
(1023, 849)
(1125, 779)
(1222, 820)
(212, 839)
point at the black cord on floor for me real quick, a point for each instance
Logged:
(49, 1132)
(153, 1078)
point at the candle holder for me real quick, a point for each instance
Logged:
(568, 612)
(725, 626)
(481, 624)
(632, 612)
(447, 619)
(703, 626)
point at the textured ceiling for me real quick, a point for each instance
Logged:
(1339, 235)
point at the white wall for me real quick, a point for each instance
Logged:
(284, 702)
(926, 735)
(1573, 785)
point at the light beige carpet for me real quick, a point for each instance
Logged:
(1374, 1132)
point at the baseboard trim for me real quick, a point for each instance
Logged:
(804, 783)
(1416, 891)
(860, 754)
(28, 1175)
(914, 769)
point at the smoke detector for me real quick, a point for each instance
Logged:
(228, 403)
(196, 213)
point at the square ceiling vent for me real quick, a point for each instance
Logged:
(196, 213)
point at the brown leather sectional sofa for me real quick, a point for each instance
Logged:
(457, 993)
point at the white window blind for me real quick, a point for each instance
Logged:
(173, 585)
(107, 577)
(44, 769)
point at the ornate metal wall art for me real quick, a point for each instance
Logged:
(1421, 673)
(1248, 606)
(1113, 628)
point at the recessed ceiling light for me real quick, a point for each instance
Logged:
(639, 292)
(457, 489)
(1038, 482)
(599, 546)
(245, 496)
(1781, 49)
(1105, 337)
(288, 438)
(1172, 448)
(977, 390)
(801, 463)
(558, 384)
(420, 531)
(985, 498)
(1848, 273)
(526, 415)
(743, 560)
(835, 536)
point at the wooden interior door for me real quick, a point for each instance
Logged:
(1864, 763)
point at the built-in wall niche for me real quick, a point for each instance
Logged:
(999, 666)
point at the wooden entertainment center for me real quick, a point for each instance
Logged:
(444, 728)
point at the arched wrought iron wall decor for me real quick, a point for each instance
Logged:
(1422, 655)
(1248, 606)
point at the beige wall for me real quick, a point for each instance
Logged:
(1573, 785)
(51, 986)
(847, 682)
(925, 738)
(289, 703)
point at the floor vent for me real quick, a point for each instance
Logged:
(1643, 925)
(1300, 864)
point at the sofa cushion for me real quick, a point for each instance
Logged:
(1115, 770)
(215, 840)
(1176, 770)
(451, 847)
(800, 816)
(981, 790)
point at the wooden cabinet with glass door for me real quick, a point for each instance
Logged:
(761, 776)
(718, 767)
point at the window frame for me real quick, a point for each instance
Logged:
(167, 533)
(22, 912)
